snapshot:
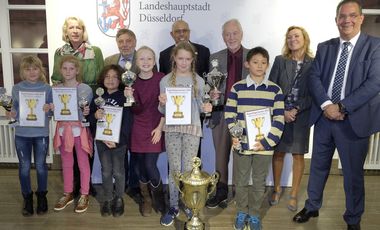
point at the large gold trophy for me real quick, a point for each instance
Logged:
(31, 105)
(109, 119)
(65, 98)
(178, 100)
(258, 123)
(195, 187)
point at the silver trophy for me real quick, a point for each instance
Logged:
(237, 132)
(206, 99)
(128, 78)
(215, 79)
(83, 102)
(6, 103)
(100, 102)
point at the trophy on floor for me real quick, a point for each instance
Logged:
(195, 187)
(237, 132)
(83, 102)
(100, 102)
(6, 103)
(215, 79)
(128, 78)
(206, 98)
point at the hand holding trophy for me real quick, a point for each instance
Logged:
(206, 98)
(128, 78)
(100, 102)
(237, 132)
(215, 79)
(6, 103)
(82, 104)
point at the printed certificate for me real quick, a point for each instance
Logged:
(65, 104)
(31, 108)
(258, 124)
(110, 129)
(178, 106)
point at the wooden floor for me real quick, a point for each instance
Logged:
(277, 217)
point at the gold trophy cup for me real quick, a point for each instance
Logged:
(65, 98)
(178, 100)
(109, 119)
(258, 122)
(195, 187)
(31, 105)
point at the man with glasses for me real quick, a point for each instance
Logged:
(344, 83)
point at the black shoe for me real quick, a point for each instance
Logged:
(217, 201)
(117, 207)
(106, 209)
(304, 215)
(135, 194)
(28, 205)
(42, 204)
(353, 226)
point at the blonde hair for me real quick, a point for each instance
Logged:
(73, 60)
(32, 61)
(65, 38)
(184, 45)
(286, 52)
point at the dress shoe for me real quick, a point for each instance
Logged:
(117, 206)
(304, 215)
(353, 226)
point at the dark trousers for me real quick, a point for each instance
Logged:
(352, 151)
(148, 170)
(131, 170)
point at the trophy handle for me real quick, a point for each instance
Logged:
(213, 182)
(177, 176)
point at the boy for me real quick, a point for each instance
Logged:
(254, 92)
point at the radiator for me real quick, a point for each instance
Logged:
(7, 145)
(373, 157)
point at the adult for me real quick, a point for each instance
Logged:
(126, 43)
(290, 71)
(75, 36)
(231, 62)
(345, 86)
(181, 32)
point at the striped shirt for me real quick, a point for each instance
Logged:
(245, 96)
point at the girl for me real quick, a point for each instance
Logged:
(70, 134)
(112, 154)
(28, 138)
(182, 141)
(146, 142)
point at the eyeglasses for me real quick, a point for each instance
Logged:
(181, 31)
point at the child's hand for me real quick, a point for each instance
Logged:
(51, 106)
(162, 99)
(235, 142)
(156, 135)
(110, 144)
(215, 94)
(207, 107)
(46, 108)
(86, 110)
(290, 115)
(99, 114)
(10, 114)
(128, 91)
(258, 147)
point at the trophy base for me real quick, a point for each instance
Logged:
(177, 115)
(259, 137)
(107, 132)
(85, 124)
(31, 117)
(65, 112)
(128, 104)
(13, 124)
(194, 225)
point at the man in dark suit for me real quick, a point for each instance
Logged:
(181, 32)
(345, 86)
(231, 62)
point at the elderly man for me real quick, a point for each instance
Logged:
(344, 84)
(181, 32)
(231, 62)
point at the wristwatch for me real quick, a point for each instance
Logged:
(342, 108)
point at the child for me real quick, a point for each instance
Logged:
(146, 142)
(254, 92)
(182, 141)
(70, 134)
(111, 154)
(37, 138)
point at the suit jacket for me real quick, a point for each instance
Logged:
(114, 60)
(222, 56)
(202, 63)
(362, 98)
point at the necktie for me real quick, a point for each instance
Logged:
(339, 74)
(230, 76)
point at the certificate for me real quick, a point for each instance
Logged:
(178, 106)
(65, 104)
(258, 124)
(31, 108)
(110, 130)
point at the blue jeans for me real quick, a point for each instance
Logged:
(24, 146)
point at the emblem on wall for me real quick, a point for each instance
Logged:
(113, 15)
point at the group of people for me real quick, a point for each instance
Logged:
(332, 91)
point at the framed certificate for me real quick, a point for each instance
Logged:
(31, 108)
(110, 129)
(178, 106)
(65, 104)
(258, 124)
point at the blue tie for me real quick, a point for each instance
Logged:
(339, 74)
